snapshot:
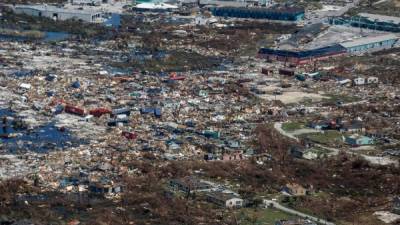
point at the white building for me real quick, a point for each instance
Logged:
(372, 80)
(234, 203)
(25, 86)
(86, 2)
(227, 200)
(370, 44)
(59, 13)
(203, 21)
(150, 6)
(359, 81)
(345, 82)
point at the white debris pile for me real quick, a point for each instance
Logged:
(6, 96)
(387, 217)
(12, 166)
(78, 125)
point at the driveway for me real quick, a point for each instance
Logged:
(295, 212)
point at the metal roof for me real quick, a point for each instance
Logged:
(51, 8)
(277, 10)
(150, 5)
(381, 18)
(369, 40)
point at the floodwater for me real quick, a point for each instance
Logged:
(49, 36)
(41, 139)
(56, 36)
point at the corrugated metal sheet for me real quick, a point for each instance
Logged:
(381, 18)
(369, 40)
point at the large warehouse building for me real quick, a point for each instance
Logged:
(59, 13)
(369, 21)
(357, 46)
(369, 44)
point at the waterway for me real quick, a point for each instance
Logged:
(49, 37)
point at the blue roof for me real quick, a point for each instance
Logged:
(76, 84)
(285, 13)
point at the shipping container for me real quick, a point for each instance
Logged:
(287, 72)
(74, 110)
(124, 110)
(114, 122)
(174, 76)
(267, 71)
(99, 112)
(146, 110)
(157, 112)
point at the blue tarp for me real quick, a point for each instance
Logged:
(76, 84)
(289, 14)
(157, 112)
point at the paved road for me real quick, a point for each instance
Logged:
(295, 212)
(278, 127)
(293, 134)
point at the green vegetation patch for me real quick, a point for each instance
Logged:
(332, 98)
(25, 22)
(292, 126)
(34, 34)
(266, 216)
(327, 137)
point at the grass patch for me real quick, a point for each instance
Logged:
(343, 98)
(266, 216)
(292, 126)
(327, 137)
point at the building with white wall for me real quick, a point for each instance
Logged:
(59, 13)
(86, 2)
(370, 44)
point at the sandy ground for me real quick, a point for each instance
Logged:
(367, 147)
(377, 160)
(45, 62)
(294, 97)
